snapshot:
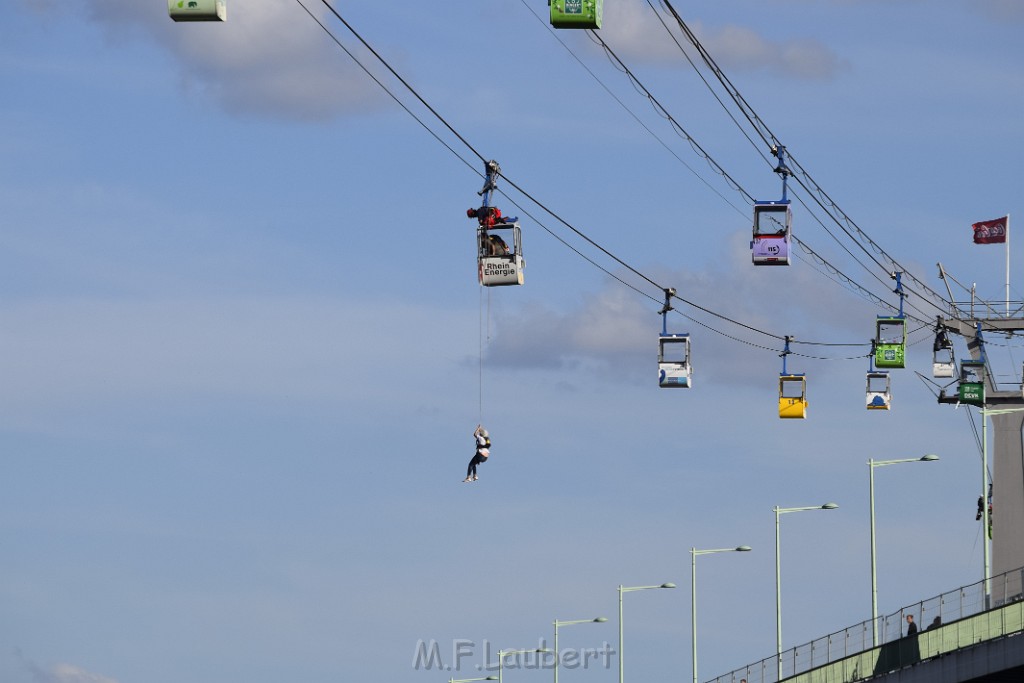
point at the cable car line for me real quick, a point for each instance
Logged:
(770, 139)
(400, 79)
(689, 138)
(821, 197)
(662, 111)
(649, 280)
(454, 132)
(622, 104)
(582, 235)
(927, 380)
(839, 242)
(621, 66)
(524, 192)
(700, 75)
(443, 142)
(643, 90)
(817, 193)
(646, 278)
(846, 278)
(753, 344)
(384, 87)
(674, 295)
(748, 112)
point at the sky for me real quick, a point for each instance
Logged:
(243, 349)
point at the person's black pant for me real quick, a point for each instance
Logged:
(471, 470)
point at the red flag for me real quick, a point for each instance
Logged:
(990, 232)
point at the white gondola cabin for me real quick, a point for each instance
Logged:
(942, 355)
(771, 237)
(879, 394)
(674, 369)
(500, 255)
(942, 362)
(197, 10)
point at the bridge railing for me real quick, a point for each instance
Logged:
(964, 602)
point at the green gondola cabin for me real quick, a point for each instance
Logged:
(972, 382)
(576, 13)
(891, 342)
(197, 10)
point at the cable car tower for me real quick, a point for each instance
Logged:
(674, 369)
(498, 264)
(1003, 405)
(773, 221)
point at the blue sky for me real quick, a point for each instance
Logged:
(240, 332)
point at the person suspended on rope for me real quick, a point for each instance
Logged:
(981, 510)
(483, 451)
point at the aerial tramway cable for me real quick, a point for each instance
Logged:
(803, 178)
(521, 190)
(847, 281)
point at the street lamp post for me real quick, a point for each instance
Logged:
(872, 464)
(693, 593)
(625, 589)
(598, 620)
(503, 653)
(778, 581)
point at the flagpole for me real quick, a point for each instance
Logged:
(1007, 231)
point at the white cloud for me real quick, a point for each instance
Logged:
(632, 30)
(270, 59)
(62, 673)
(67, 673)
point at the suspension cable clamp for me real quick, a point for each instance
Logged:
(669, 293)
(779, 151)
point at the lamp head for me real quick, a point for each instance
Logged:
(601, 620)
(930, 457)
(744, 549)
(829, 506)
(667, 585)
